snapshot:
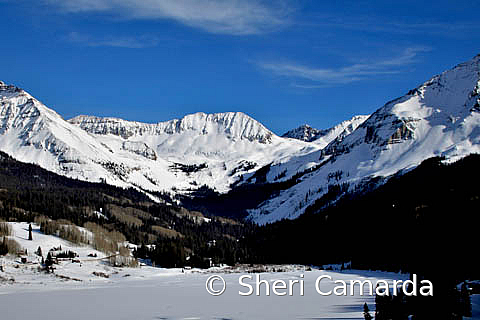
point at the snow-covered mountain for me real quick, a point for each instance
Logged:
(324, 137)
(31, 132)
(439, 118)
(176, 156)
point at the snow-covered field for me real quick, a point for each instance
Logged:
(74, 292)
(179, 296)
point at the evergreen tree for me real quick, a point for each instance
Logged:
(49, 260)
(366, 312)
(3, 247)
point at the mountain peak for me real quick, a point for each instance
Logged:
(8, 88)
(325, 136)
(303, 133)
(17, 108)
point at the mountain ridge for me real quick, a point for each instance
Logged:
(236, 124)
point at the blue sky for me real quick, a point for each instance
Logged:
(284, 62)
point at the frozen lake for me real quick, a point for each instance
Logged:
(184, 296)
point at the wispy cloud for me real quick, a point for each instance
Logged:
(113, 41)
(378, 24)
(235, 17)
(312, 77)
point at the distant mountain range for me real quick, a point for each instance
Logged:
(439, 118)
(174, 156)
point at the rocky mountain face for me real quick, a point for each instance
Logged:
(304, 133)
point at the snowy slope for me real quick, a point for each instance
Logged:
(439, 118)
(339, 131)
(33, 133)
(67, 273)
